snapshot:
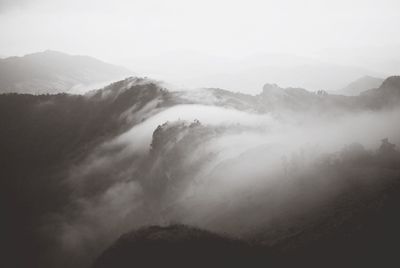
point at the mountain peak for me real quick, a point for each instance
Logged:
(51, 51)
(272, 89)
(391, 82)
(45, 54)
(52, 71)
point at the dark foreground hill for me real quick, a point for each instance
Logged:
(180, 246)
(353, 235)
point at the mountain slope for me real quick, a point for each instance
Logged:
(54, 72)
(41, 137)
(387, 95)
(362, 84)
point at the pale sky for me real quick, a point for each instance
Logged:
(120, 30)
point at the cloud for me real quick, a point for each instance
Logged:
(234, 165)
(6, 5)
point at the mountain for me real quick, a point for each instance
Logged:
(355, 226)
(359, 228)
(390, 85)
(177, 246)
(362, 84)
(248, 74)
(387, 94)
(312, 75)
(42, 137)
(79, 171)
(274, 97)
(55, 72)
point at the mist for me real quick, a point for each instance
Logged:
(217, 168)
(268, 128)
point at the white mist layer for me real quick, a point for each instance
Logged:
(238, 173)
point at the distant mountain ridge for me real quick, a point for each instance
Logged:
(274, 98)
(54, 72)
(360, 85)
(248, 74)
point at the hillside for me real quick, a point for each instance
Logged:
(42, 137)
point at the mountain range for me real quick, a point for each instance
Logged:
(248, 74)
(72, 153)
(271, 176)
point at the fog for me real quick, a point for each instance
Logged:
(232, 172)
(189, 150)
(229, 44)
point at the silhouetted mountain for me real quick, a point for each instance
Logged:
(362, 84)
(54, 72)
(41, 137)
(180, 246)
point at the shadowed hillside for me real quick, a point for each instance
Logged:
(40, 138)
(181, 246)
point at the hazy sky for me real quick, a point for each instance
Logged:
(131, 28)
(214, 43)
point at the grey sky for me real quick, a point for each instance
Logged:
(121, 27)
(121, 31)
